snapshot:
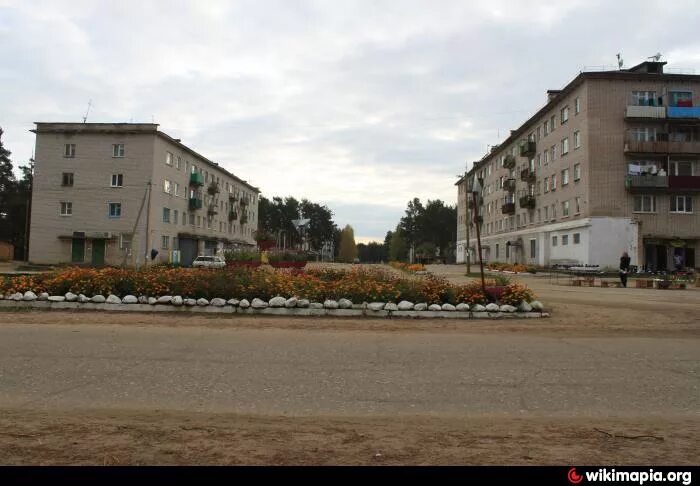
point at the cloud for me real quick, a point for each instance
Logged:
(360, 105)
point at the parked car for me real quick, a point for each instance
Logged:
(209, 262)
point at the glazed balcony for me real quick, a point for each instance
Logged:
(528, 148)
(195, 203)
(508, 208)
(196, 179)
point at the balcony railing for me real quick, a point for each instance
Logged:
(508, 208)
(527, 202)
(528, 175)
(509, 161)
(633, 182)
(685, 183)
(662, 145)
(635, 111)
(196, 179)
(683, 111)
(195, 203)
(527, 148)
(509, 185)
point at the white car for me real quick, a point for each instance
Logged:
(209, 262)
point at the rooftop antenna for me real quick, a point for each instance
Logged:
(656, 57)
(87, 112)
(620, 61)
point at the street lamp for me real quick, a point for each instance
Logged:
(476, 192)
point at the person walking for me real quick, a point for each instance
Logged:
(624, 268)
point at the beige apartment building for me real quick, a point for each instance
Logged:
(610, 164)
(111, 193)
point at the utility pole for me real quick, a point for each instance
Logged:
(148, 220)
(476, 192)
(466, 218)
(138, 217)
(27, 216)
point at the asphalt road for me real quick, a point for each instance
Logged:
(345, 373)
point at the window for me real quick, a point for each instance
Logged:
(166, 215)
(546, 157)
(117, 180)
(539, 215)
(69, 150)
(554, 241)
(554, 212)
(546, 185)
(199, 221)
(546, 128)
(118, 150)
(565, 146)
(643, 134)
(684, 168)
(178, 162)
(539, 160)
(168, 158)
(176, 188)
(644, 204)
(564, 177)
(167, 186)
(533, 248)
(175, 216)
(192, 219)
(564, 115)
(564, 240)
(125, 241)
(554, 182)
(577, 172)
(577, 106)
(554, 152)
(577, 200)
(184, 218)
(681, 204)
(539, 133)
(551, 123)
(66, 209)
(577, 238)
(67, 179)
(165, 242)
(643, 98)
(565, 209)
(115, 210)
(681, 98)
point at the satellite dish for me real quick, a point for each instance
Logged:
(620, 61)
(656, 57)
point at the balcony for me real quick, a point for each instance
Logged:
(508, 208)
(509, 185)
(662, 145)
(195, 203)
(655, 112)
(684, 183)
(527, 148)
(213, 188)
(212, 210)
(196, 179)
(509, 161)
(646, 182)
(528, 176)
(683, 111)
(527, 202)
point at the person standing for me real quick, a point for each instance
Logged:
(624, 268)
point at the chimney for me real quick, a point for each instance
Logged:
(552, 93)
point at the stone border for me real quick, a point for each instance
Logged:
(358, 311)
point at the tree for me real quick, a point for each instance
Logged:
(8, 187)
(398, 247)
(348, 249)
(371, 252)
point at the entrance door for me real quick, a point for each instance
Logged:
(77, 250)
(188, 251)
(98, 252)
(661, 258)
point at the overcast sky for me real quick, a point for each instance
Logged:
(357, 105)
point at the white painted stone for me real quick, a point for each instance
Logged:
(434, 307)
(217, 302)
(422, 306)
(152, 301)
(537, 305)
(128, 299)
(100, 299)
(492, 307)
(43, 296)
(202, 302)
(376, 306)
(233, 302)
(303, 303)
(462, 307)
(390, 306)
(190, 302)
(17, 296)
(143, 299)
(244, 304)
(258, 304)
(56, 298)
(71, 297)
(29, 296)
(507, 308)
(405, 305)
(345, 304)
(83, 299)
(277, 301)
(478, 308)
(113, 299)
(291, 302)
(330, 304)
(448, 307)
(524, 307)
(177, 301)
(315, 305)
(164, 300)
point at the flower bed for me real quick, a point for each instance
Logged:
(511, 267)
(317, 285)
(287, 259)
(408, 267)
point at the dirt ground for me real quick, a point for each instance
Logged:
(114, 437)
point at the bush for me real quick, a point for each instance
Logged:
(241, 256)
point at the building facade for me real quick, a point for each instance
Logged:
(127, 193)
(610, 164)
